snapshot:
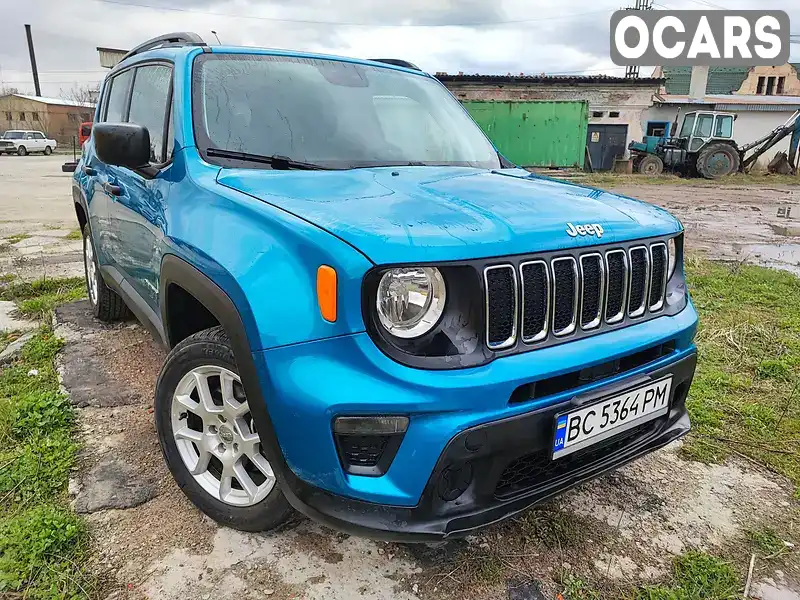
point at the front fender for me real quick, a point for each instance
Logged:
(264, 258)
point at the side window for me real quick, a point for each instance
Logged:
(724, 126)
(149, 105)
(38, 136)
(117, 97)
(28, 136)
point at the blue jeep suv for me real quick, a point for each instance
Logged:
(372, 316)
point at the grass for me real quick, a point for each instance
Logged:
(695, 576)
(766, 542)
(75, 234)
(38, 298)
(745, 398)
(42, 542)
(13, 239)
(606, 180)
(7, 278)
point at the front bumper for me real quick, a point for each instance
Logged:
(306, 386)
(508, 466)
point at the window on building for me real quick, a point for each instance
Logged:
(657, 128)
(74, 118)
(35, 116)
(598, 114)
(760, 86)
(781, 85)
(86, 117)
(8, 116)
(770, 86)
(149, 106)
(22, 116)
(614, 114)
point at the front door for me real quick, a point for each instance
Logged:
(606, 142)
(139, 198)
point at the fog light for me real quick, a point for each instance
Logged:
(381, 425)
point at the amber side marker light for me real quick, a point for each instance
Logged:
(326, 292)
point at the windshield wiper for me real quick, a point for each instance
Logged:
(275, 161)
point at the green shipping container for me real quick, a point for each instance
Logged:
(547, 133)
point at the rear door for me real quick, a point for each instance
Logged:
(31, 143)
(138, 206)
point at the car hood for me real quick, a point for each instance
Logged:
(426, 214)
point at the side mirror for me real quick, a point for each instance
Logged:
(122, 144)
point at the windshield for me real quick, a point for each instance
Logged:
(332, 113)
(13, 135)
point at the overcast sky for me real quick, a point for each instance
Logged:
(474, 36)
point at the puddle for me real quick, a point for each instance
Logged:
(786, 230)
(777, 256)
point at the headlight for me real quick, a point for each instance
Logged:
(672, 254)
(410, 300)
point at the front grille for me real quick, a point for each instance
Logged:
(535, 300)
(565, 290)
(581, 293)
(658, 282)
(532, 470)
(362, 450)
(592, 295)
(638, 281)
(501, 295)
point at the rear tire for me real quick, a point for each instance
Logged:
(651, 165)
(48, 151)
(22, 151)
(718, 160)
(106, 304)
(208, 437)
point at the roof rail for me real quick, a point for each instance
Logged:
(397, 62)
(179, 38)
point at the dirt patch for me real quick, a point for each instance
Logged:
(743, 223)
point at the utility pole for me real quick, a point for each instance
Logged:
(33, 60)
(632, 71)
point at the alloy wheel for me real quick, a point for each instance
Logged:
(91, 269)
(216, 438)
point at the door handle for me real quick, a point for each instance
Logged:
(112, 189)
(88, 170)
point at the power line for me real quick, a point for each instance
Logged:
(349, 23)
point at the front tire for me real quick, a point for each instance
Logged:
(106, 304)
(22, 151)
(48, 151)
(208, 437)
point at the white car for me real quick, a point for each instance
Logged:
(22, 142)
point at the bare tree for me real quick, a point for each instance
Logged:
(7, 90)
(87, 92)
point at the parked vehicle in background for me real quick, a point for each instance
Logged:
(24, 142)
(84, 133)
(372, 315)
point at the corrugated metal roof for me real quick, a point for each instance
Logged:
(526, 79)
(53, 101)
(721, 80)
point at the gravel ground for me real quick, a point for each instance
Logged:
(623, 528)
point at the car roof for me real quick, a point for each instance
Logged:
(177, 53)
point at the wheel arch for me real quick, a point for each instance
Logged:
(177, 272)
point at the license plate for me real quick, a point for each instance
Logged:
(592, 424)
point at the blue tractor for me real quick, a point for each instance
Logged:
(704, 146)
